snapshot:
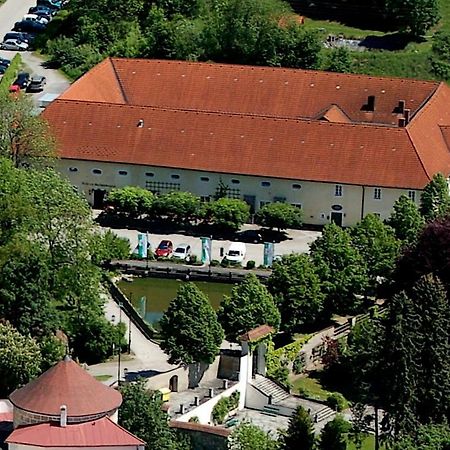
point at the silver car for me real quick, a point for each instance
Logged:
(14, 44)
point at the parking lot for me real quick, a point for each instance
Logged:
(298, 242)
(12, 11)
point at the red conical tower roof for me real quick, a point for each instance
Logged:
(67, 384)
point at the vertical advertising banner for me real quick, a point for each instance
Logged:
(269, 250)
(142, 245)
(206, 250)
(142, 306)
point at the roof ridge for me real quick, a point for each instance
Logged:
(123, 429)
(426, 103)
(274, 68)
(417, 153)
(369, 125)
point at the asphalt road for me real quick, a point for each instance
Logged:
(10, 12)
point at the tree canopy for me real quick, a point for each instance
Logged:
(296, 287)
(435, 198)
(20, 359)
(25, 137)
(190, 331)
(341, 268)
(249, 305)
(279, 215)
(300, 432)
(227, 214)
(406, 220)
(141, 414)
(247, 436)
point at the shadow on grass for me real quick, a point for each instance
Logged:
(362, 15)
(392, 41)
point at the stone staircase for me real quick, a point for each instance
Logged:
(269, 389)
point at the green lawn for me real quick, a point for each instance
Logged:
(102, 377)
(310, 387)
(368, 444)
(412, 62)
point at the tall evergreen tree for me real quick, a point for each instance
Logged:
(406, 220)
(300, 432)
(433, 308)
(341, 268)
(249, 305)
(190, 330)
(435, 198)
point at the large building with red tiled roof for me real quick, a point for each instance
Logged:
(67, 409)
(339, 146)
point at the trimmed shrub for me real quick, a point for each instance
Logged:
(337, 401)
(250, 265)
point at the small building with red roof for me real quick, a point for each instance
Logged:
(67, 408)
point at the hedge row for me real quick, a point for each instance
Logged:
(10, 75)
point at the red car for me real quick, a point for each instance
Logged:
(164, 249)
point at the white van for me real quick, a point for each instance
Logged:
(236, 252)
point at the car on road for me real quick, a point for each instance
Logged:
(164, 249)
(37, 83)
(29, 26)
(22, 80)
(42, 9)
(5, 62)
(182, 251)
(35, 18)
(14, 44)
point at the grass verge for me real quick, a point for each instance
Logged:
(310, 387)
(102, 377)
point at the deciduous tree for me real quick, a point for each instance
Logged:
(132, 201)
(20, 359)
(250, 437)
(190, 331)
(341, 268)
(249, 305)
(177, 206)
(25, 137)
(227, 214)
(377, 244)
(332, 436)
(141, 414)
(435, 198)
(406, 220)
(279, 215)
(296, 288)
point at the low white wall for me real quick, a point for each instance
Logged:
(203, 412)
(5, 406)
(257, 400)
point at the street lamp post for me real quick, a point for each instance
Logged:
(119, 349)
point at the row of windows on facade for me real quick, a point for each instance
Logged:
(338, 190)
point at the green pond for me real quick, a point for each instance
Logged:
(158, 293)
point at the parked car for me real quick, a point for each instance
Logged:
(5, 62)
(42, 9)
(182, 251)
(29, 26)
(236, 252)
(37, 83)
(14, 44)
(2, 69)
(56, 4)
(24, 37)
(22, 80)
(35, 18)
(164, 249)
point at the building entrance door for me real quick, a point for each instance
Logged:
(336, 217)
(99, 198)
(251, 201)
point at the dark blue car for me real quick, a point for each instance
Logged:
(29, 26)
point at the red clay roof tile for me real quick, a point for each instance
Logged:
(257, 333)
(68, 384)
(98, 433)
(259, 121)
